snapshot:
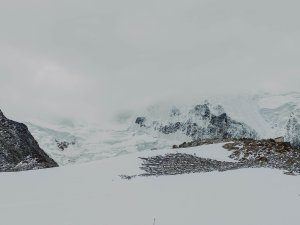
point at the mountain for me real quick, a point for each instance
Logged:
(202, 121)
(19, 150)
(169, 123)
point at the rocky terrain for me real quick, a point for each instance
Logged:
(202, 121)
(247, 153)
(266, 153)
(178, 163)
(19, 150)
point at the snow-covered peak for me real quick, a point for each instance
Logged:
(200, 122)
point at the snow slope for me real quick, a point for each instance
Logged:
(94, 194)
(276, 110)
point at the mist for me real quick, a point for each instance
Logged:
(91, 59)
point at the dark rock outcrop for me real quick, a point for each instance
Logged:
(140, 121)
(19, 150)
(62, 145)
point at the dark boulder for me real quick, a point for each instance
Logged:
(171, 128)
(140, 121)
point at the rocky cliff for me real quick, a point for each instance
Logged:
(19, 150)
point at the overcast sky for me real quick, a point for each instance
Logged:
(90, 58)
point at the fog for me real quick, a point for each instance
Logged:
(91, 59)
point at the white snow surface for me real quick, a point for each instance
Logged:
(94, 194)
(215, 151)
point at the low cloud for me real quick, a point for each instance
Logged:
(90, 59)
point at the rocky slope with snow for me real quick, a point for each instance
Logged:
(18, 149)
(202, 121)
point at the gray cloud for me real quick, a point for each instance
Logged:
(88, 59)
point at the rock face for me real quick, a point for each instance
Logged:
(19, 150)
(293, 131)
(202, 122)
(140, 121)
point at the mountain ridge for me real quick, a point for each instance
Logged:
(267, 114)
